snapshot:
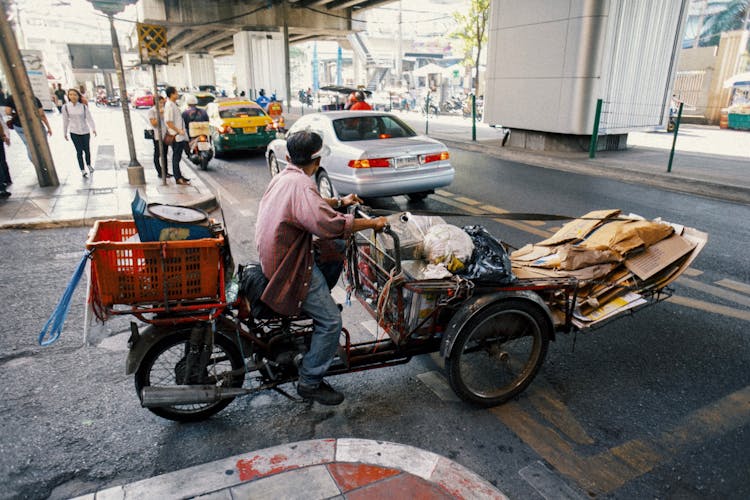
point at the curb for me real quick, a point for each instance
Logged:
(700, 187)
(322, 468)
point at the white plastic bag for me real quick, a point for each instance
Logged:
(448, 244)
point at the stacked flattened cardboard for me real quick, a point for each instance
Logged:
(619, 261)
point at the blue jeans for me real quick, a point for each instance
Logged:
(321, 307)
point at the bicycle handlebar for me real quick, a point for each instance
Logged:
(361, 211)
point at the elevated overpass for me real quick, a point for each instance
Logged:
(257, 32)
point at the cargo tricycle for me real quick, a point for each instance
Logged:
(203, 346)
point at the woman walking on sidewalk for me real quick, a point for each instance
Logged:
(78, 121)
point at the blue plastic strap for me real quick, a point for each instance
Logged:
(54, 324)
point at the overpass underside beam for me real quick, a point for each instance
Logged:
(200, 26)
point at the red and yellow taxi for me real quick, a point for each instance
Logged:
(239, 124)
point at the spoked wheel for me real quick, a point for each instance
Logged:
(164, 365)
(273, 164)
(498, 353)
(325, 188)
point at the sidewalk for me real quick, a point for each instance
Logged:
(104, 194)
(310, 470)
(709, 173)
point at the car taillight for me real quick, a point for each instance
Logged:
(226, 129)
(443, 155)
(370, 163)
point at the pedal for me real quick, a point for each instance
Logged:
(288, 396)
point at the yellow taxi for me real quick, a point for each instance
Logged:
(239, 124)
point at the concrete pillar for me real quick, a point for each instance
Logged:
(260, 63)
(175, 75)
(198, 70)
(358, 73)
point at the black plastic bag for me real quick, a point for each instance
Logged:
(489, 262)
(252, 284)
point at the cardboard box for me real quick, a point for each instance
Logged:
(658, 256)
(578, 229)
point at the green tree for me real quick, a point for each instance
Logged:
(472, 30)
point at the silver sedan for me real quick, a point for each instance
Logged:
(371, 154)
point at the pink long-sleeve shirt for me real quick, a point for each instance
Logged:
(290, 213)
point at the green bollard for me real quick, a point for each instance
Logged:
(473, 117)
(595, 132)
(427, 114)
(674, 140)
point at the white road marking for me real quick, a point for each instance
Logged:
(437, 384)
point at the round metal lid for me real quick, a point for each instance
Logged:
(172, 213)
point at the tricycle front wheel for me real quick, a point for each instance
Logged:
(498, 353)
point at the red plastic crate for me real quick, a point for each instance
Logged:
(127, 272)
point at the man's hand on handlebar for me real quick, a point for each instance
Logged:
(379, 223)
(351, 199)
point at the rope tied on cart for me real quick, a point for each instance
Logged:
(394, 279)
(54, 325)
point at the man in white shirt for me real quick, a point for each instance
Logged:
(176, 127)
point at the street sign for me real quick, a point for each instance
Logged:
(152, 43)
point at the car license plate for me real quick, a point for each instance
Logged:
(250, 130)
(405, 162)
(204, 146)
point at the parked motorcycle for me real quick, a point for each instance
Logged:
(453, 104)
(479, 107)
(200, 150)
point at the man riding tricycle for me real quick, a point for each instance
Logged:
(203, 346)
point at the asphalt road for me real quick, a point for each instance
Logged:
(656, 405)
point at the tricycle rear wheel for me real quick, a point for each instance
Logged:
(163, 365)
(498, 352)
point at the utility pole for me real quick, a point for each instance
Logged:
(110, 8)
(123, 95)
(287, 62)
(399, 47)
(23, 97)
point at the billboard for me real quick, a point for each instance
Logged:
(34, 63)
(91, 57)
